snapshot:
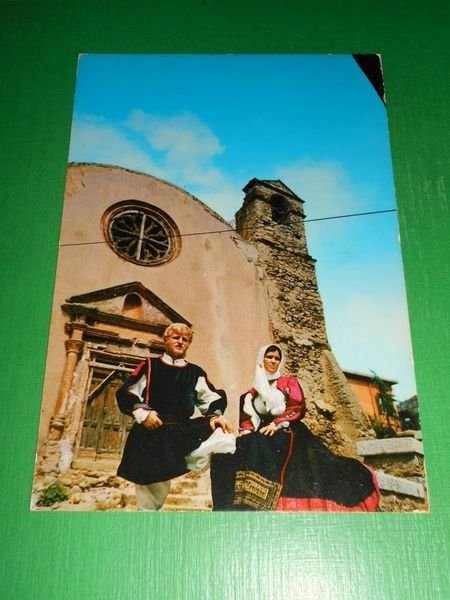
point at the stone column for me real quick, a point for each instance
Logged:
(48, 466)
(74, 348)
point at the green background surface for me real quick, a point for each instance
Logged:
(215, 556)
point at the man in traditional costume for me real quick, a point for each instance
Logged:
(165, 441)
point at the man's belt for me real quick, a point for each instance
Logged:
(171, 420)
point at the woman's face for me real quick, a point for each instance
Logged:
(272, 361)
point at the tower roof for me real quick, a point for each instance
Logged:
(276, 185)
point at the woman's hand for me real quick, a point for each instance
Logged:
(269, 429)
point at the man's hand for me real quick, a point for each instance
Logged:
(269, 429)
(152, 421)
(221, 422)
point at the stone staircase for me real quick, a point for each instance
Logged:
(191, 492)
(400, 469)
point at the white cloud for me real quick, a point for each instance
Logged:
(187, 143)
(324, 186)
(327, 191)
(224, 198)
(180, 149)
(182, 136)
(95, 140)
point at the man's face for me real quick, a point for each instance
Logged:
(177, 344)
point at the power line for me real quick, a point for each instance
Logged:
(363, 214)
(231, 230)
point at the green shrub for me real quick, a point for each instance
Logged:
(382, 431)
(54, 493)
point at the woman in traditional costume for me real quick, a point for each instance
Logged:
(279, 464)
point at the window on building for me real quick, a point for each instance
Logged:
(280, 210)
(132, 306)
(141, 233)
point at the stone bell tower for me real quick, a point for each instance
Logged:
(272, 220)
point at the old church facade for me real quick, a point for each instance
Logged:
(138, 253)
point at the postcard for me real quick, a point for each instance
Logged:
(229, 327)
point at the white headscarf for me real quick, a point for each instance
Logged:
(269, 399)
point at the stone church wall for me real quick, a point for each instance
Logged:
(211, 283)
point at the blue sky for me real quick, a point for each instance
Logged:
(210, 123)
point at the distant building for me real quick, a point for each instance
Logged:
(408, 412)
(366, 390)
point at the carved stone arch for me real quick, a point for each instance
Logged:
(132, 306)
